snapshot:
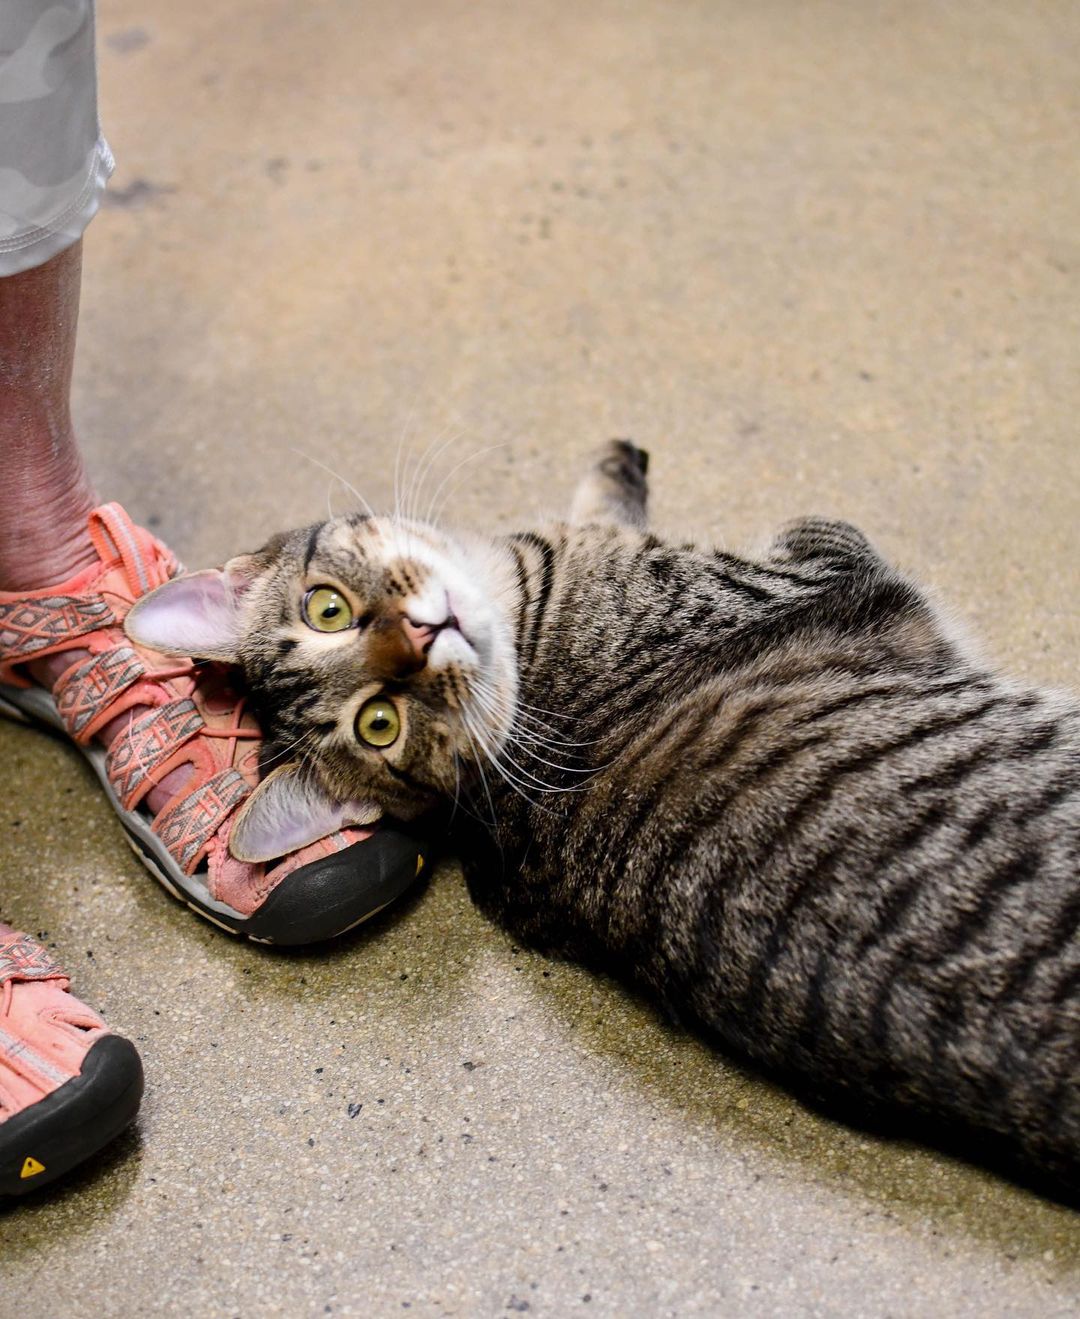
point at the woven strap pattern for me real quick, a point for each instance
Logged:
(83, 692)
(145, 561)
(30, 626)
(23, 958)
(146, 744)
(187, 828)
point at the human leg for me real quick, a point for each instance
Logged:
(67, 1083)
(47, 495)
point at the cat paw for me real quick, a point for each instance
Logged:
(623, 462)
(614, 491)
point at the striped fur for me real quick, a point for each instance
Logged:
(796, 812)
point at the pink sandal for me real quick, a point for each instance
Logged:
(193, 718)
(67, 1084)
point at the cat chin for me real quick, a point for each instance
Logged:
(452, 646)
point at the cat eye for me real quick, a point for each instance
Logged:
(378, 723)
(327, 610)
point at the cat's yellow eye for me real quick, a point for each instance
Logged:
(378, 723)
(327, 610)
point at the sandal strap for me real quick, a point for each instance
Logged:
(145, 560)
(187, 826)
(50, 622)
(23, 958)
(146, 745)
(42, 623)
(85, 693)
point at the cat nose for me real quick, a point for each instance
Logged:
(421, 636)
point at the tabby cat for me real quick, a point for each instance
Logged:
(777, 792)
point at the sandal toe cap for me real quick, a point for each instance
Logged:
(52, 1136)
(330, 895)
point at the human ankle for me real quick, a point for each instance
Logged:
(43, 521)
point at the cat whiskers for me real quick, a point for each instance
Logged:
(410, 481)
(539, 709)
(519, 778)
(505, 712)
(521, 738)
(433, 511)
(337, 477)
(306, 741)
(405, 426)
(407, 500)
(461, 793)
(424, 466)
(494, 758)
(515, 714)
(478, 762)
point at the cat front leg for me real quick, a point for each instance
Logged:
(613, 491)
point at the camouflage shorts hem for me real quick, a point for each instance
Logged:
(33, 247)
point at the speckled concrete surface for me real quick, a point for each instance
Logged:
(816, 258)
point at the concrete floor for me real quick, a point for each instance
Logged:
(816, 258)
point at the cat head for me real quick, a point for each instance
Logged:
(381, 661)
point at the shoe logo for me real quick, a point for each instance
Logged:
(31, 1167)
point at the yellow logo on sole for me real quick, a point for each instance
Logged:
(419, 865)
(31, 1167)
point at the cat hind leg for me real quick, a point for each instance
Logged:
(823, 540)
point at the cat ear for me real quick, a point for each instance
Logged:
(198, 614)
(288, 810)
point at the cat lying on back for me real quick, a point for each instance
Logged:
(776, 793)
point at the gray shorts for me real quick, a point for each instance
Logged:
(53, 160)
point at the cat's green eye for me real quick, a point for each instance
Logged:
(378, 723)
(327, 610)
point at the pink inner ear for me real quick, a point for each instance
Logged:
(198, 614)
(262, 838)
(287, 811)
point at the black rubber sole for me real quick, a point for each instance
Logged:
(338, 892)
(60, 1131)
(322, 899)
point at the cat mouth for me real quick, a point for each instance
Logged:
(452, 627)
(454, 620)
(453, 624)
(451, 646)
